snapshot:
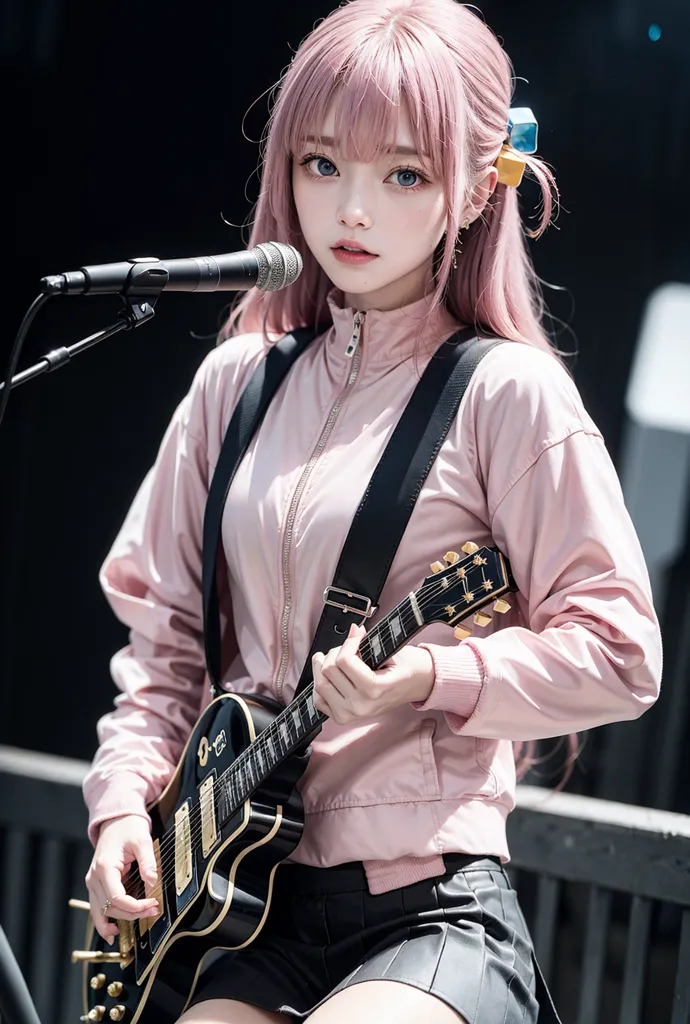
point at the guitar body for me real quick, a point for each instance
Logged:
(231, 812)
(229, 879)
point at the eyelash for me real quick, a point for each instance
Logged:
(319, 156)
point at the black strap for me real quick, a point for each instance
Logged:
(384, 511)
(246, 419)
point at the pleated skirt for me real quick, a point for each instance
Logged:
(460, 937)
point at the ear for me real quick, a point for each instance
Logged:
(483, 191)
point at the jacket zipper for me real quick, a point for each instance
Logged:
(354, 352)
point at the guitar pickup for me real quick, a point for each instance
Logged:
(207, 806)
(183, 849)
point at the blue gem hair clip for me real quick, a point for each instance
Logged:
(522, 138)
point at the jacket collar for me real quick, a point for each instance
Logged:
(389, 336)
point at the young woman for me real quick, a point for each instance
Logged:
(389, 133)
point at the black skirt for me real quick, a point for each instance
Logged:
(460, 937)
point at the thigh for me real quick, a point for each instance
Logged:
(384, 1002)
(229, 1011)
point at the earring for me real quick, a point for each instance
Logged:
(465, 224)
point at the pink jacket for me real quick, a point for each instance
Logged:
(523, 467)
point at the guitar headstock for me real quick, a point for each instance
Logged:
(465, 583)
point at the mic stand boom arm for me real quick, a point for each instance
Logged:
(137, 312)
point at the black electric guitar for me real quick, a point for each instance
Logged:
(232, 812)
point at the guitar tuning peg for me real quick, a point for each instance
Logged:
(501, 606)
(461, 632)
(451, 557)
(437, 566)
(482, 619)
(469, 547)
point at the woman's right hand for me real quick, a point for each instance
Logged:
(121, 842)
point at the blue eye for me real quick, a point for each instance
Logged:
(404, 176)
(325, 168)
(313, 157)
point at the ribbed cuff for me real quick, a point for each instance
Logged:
(123, 793)
(459, 680)
(384, 875)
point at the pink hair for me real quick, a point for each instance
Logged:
(369, 58)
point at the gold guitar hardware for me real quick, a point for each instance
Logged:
(451, 557)
(482, 619)
(117, 1012)
(78, 905)
(97, 1013)
(461, 632)
(501, 606)
(98, 981)
(469, 547)
(437, 566)
(114, 989)
(95, 956)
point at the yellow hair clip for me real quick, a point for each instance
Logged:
(510, 166)
(522, 138)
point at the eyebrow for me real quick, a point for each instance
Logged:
(328, 140)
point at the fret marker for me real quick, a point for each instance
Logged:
(396, 628)
(376, 645)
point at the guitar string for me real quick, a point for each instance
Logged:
(167, 845)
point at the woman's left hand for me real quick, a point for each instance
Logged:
(346, 689)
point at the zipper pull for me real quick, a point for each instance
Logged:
(354, 337)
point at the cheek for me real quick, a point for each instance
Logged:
(423, 218)
(308, 203)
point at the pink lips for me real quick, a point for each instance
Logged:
(343, 256)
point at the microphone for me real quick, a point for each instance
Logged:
(269, 266)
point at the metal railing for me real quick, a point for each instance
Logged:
(605, 888)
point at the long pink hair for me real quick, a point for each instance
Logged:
(368, 58)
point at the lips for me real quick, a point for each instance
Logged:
(350, 244)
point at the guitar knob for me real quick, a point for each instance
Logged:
(482, 619)
(97, 1013)
(469, 547)
(451, 557)
(118, 1012)
(461, 632)
(501, 606)
(437, 566)
(115, 989)
(98, 981)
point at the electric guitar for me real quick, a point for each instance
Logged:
(232, 812)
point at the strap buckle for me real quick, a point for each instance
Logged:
(367, 611)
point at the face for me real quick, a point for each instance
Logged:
(393, 207)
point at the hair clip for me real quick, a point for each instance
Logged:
(522, 138)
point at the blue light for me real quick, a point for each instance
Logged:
(654, 33)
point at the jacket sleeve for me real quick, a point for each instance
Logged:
(589, 652)
(152, 579)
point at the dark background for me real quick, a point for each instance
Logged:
(128, 131)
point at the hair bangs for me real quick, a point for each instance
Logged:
(366, 90)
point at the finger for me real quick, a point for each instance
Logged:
(353, 639)
(122, 904)
(341, 683)
(143, 851)
(106, 929)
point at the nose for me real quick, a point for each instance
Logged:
(353, 211)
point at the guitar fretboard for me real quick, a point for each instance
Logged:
(300, 721)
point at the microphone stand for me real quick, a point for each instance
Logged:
(136, 313)
(16, 1005)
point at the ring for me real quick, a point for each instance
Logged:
(104, 908)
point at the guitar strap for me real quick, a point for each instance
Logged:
(379, 523)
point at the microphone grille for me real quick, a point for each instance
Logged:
(279, 265)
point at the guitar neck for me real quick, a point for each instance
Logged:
(457, 587)
(300, 721)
